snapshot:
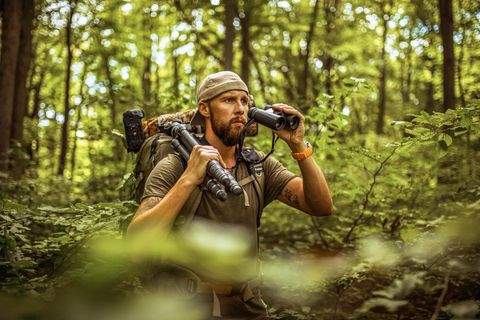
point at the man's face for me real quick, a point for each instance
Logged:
(228, 115)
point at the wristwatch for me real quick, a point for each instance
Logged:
(305, 154)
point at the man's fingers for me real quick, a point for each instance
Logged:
(209, 153)
(288, 110)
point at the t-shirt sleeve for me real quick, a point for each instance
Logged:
(276, 178)
(163, 177)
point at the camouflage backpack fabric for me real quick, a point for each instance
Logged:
(157, 146)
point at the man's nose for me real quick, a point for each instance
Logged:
(239, 107)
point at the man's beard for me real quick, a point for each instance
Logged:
(229, 137)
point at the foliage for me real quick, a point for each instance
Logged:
(403, 241)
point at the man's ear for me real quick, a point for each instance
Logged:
(204, 109)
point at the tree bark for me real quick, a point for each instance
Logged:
(406, 69)
(11, 28)
(245, 31)
(17, 163)
(383, 75)
(461, 55)
(64, 134)
(446, 30)
(77, 122)
(176, 76)
(229, 34)
(147, 65)
(112, 99)
(303, 80)
(330, 17)
(430, 102)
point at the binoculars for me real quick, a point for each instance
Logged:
(273, 119)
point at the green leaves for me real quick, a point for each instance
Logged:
(463, 310)
(393, 297)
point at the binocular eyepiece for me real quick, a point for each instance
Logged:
(273, 119)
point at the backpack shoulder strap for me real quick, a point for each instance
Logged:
(256, 175)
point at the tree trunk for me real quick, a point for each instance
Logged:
(446, 29)
(261, 79)
(245, 22)
(383, 75)
(77, 122)
(112, 99)
(461, 55)
(303, 80)
(37, 98)
(409, 68)
(11, 28)
(229, 34)
(66, 113)
(406, 71)
(330, 17)
(17, 164)
(430, 102)
(147, 66)
(176, 76)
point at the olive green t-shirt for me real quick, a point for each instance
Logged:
(234, 209)
(237, 210)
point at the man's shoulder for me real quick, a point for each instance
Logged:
(170, 163)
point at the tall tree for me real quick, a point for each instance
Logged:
(330, 8)
(446, 29)
(463, 27)
(66, 113)
(81, 94)
(147, 62)
(11, 29)
(245, 31)
(20, 103)
(382, 100)
(303, 81)
(230, 7)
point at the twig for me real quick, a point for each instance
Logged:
(442, 296)
(189, 20)
(319, 232)
(367, 196)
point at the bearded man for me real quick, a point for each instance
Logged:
(223, 102)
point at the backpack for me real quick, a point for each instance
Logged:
(157, 146)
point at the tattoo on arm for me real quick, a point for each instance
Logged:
(147, 204)
(291, 197)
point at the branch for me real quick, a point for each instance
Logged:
(442, 296)
(367, 196)
(259, 72)
(319, 232)
(205, 48)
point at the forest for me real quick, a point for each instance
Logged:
(391, 95)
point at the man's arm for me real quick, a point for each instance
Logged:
(310, 193)
(157, 213)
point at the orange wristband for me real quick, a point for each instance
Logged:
(305, 154)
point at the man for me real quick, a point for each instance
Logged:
(222, 101)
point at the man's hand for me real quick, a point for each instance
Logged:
(197, 163)
(294, 138)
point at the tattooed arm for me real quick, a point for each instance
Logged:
(309, 194)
